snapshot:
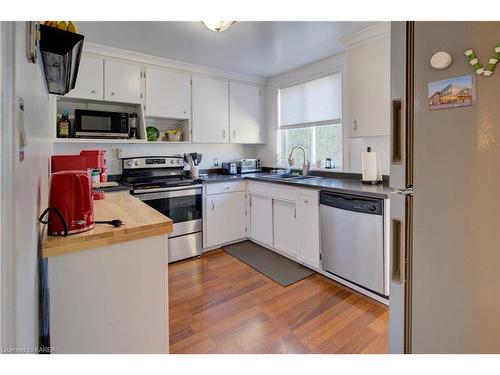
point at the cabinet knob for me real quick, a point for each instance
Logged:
(112, 93)
(355, 125)
(223, 134)
(213, 205)
(184, 112)
(234, 133)
(92, 91)
(306, 201)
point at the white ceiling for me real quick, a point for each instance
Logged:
(257, 48)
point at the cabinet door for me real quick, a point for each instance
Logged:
(245, 113)
(122, 82)
(90, 79)
(225, 218)
(308, 227)
(368, 71)
(210, 116)
(261, 219)
(285, 227)
(168, 94)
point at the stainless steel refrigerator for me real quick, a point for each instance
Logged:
(445, 215)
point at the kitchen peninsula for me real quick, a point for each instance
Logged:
(107, 283)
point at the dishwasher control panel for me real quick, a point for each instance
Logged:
(352, 203)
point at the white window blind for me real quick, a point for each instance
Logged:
(311, 103)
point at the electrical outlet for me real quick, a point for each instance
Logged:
(119, 153)
(216, 162)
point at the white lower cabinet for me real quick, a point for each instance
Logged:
(225, 218)
(284, 218)
(308, 227)
(261, 219)
(285, 227)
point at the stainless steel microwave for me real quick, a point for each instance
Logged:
(100, 124)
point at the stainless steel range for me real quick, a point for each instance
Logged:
(160, 182)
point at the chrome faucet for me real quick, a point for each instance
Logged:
(307, 164)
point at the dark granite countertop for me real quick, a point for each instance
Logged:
(113, 189)
(120, 187)
(340, 185)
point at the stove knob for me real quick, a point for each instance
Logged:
(136, 163)
(372, 208)
(179, 161)
(129, 163)
(172, 161)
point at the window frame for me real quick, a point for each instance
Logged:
(281, 129)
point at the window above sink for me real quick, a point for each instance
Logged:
(310, 115)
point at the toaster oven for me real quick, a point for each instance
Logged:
(248, 165)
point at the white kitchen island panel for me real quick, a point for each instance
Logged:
(112, 299)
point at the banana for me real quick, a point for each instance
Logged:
(72, 27)
(62, 25)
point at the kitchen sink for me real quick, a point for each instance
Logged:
(292, 177)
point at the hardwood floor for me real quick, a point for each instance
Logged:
(218, 304)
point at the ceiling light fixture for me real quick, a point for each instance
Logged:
(218, 26)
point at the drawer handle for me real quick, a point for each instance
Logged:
(213, 205)
(226, 188)
(306, 201)
(92, 91)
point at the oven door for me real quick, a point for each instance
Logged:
(182, 206)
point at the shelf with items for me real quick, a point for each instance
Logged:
(164, 125)
(62, 104)
(99, 140)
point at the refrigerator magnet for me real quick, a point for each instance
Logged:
(451, 93)
(441, 60)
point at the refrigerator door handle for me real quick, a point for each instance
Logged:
(397, 138)
(397, 253)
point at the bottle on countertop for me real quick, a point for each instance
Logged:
(328, 163)
(64, 126)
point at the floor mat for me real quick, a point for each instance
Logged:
(278, 268)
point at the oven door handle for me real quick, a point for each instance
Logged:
(161, 190)
(168, 194)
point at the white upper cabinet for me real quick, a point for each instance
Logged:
(368, 87)
(210, 117)
(168, 94)
(90, 79)
(246, 114)
(122, 82)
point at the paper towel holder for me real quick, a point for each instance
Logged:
(377, 180)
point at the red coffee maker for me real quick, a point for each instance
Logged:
(70, 203)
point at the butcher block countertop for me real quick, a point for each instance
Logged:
(140, 221)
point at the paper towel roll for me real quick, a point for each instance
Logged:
(370, 166)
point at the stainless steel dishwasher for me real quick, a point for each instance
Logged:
(352, 239)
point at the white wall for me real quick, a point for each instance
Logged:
(24, 186)
(352, 147)
(359, 145)
(223, 152)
